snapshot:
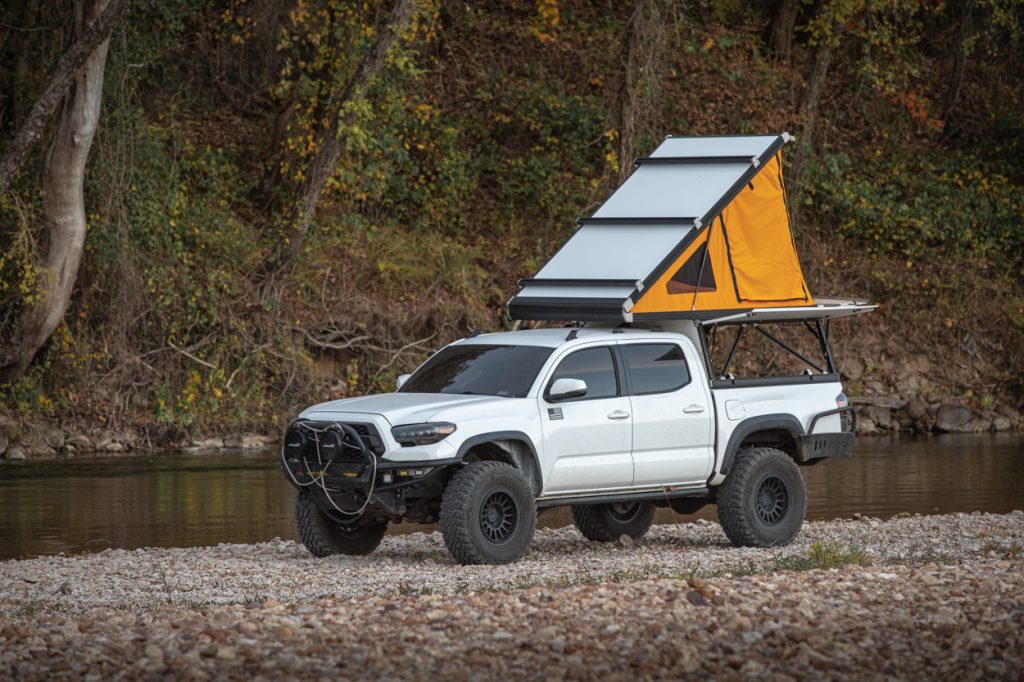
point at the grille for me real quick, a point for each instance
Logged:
(367, 433)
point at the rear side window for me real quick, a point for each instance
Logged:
(655, 367)
(594, 366)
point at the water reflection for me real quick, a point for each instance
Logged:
(186, 500)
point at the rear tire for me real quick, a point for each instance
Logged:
(488, 514)
(762, 501)
(609, 522)
(323, 536)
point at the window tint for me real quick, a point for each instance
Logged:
(656, 367)
(506, 371)
(594, 366)
(696, 274)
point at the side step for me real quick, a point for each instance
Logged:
(623, 497)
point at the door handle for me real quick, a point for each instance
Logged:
(618, 414)
(693, 409)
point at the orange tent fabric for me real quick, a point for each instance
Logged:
(750, 258)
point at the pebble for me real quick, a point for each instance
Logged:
(682, 603)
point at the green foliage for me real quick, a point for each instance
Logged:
(922, 206)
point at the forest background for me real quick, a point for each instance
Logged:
(219, 290)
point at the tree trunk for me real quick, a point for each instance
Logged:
(63, 202)
(817, 74)
(330, 141)
(644, 50)
(103, 17)
(782, 30)
(956, 77)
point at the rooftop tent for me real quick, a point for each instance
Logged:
(699, 228)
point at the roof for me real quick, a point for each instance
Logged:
(645, 225)
(553, 338)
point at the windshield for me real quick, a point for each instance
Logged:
(506, 371)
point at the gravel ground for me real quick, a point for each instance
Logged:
(943, 596)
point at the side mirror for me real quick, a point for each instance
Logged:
(402, 378)
(566, 388)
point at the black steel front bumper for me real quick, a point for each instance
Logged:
(360, 482)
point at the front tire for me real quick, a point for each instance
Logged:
(609, 522)
(488, 514)
(323, 536)
(763, 500)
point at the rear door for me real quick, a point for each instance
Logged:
(587, 440)
(673, 424)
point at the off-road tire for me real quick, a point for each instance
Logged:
(323, 536)
(608, 522)
(488, 514)
(775, 519)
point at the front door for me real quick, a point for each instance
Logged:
(673, 434)
(587, 440)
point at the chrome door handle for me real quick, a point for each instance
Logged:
(618, 414)
(693, 409)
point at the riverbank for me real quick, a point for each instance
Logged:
(915, 597)
(882, 414)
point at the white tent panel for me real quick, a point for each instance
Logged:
(613, 252)
(672, 191)
(754, 145)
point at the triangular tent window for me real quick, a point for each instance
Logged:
(696, 275)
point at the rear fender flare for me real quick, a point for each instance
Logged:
(764, 422)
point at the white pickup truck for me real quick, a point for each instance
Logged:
(613, 422)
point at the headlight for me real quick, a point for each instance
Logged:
(422, 434)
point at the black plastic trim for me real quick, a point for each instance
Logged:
(546, 308)
(776, 381)
(479, 439)
(786, 422)
(624, 497)
(689, 160)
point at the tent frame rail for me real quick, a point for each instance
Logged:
(819, 328)
(692, 160)
(634, 220)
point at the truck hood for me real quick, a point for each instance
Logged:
(399, 408)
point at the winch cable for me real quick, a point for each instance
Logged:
(319, 478)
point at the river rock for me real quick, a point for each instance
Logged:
(866, 426)
(917, 409)
(1001, 423)
(80, 442)
(1010, 412)
(880, 416)
(953, 418)
(208, 444)
(853, 369)
(16, 453)
(4, 444)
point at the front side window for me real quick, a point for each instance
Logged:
(480, 369)
(655, 367)
(595, 367)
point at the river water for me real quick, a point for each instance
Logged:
(191, 500)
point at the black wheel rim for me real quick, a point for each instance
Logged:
(624, 512)
(772, 500)
(499, 516)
